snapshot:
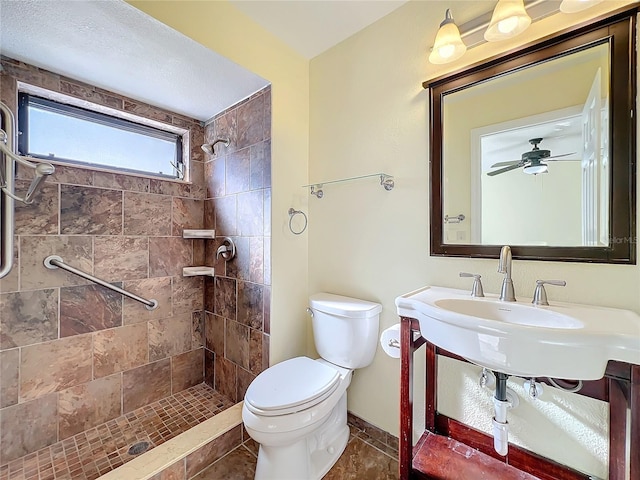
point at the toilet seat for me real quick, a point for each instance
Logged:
(291, 386)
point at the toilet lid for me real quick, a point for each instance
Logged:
(286, 386)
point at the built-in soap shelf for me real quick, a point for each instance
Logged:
(198, 271)
(386, 181)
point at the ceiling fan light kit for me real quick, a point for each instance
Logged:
(531, 161)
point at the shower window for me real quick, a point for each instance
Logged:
(56, 131)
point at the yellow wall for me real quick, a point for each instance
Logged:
(222, 28)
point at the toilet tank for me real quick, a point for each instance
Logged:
(345, 330)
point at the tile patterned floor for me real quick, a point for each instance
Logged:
(371, 454)
(99, 450)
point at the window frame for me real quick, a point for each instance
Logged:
(26, 99)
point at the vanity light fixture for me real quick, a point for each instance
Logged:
(508, 20)
(448, 45)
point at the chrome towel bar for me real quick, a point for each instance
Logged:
(53, 261)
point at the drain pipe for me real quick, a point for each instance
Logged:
(500, 424)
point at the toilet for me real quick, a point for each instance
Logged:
(297, 409)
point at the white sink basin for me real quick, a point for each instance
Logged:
(564, 340)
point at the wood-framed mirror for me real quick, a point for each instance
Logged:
(536, 149)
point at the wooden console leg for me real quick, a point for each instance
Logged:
(406, 399)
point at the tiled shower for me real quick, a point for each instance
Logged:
(74, 355)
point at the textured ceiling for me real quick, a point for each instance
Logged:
(113, 45)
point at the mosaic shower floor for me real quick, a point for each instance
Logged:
(92, 453)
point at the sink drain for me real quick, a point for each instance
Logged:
(138, 448)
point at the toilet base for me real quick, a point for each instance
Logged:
(311, 457)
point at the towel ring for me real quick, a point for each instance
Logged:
(293, 213)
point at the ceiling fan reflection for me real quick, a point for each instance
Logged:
(532, 161)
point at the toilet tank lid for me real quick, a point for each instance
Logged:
(343, 306)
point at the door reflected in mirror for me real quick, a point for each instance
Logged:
(536, 149)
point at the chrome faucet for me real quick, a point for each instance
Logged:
(507, 294)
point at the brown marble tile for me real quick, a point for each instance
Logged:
(196, 168)
(90, 211)
(265, 351)
(121, 258)
(158, 289)
(85, 406)
(209, 367)
(222, 267)
(199, 252)
(256, 260)
(261, 165)
(147, 214)
(267, 211)
(186, 213)
(225, 297)
(209, 294)
(187, 294)
(361, 460)
(169, 336)
(76, 251)
(256, 360)
(197, 329)
(267, 260)
(28, 317)
(146, 384)
(164, 187)
(33, 75)
(148, 111)
(244, 380)
(224, 126)
(250, 122)
(249, 443)
(167, 256)
(120, 181)
(225, 379)
(250, 304)
(11, 282)
(240, 266)
(119, 349)
(187, 370)
(215, 173)
(27, 427)
(88, 308)
(72, 175)
(226, 216)
(41, 216)
(251, 213)
(237, 343)
(209, 214)
(53, 366)
(266, 322)
(8, 91)
(266, 126)
(238, 172)
(87, 92)
(177, 471)
(240, 464)
(212, 451)
(9, 379)
(214, 333)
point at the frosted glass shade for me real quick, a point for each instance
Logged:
(448, 45)
(572, 6)
(508, 20)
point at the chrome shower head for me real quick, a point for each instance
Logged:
(209, 147)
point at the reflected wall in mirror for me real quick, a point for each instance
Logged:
(536, 150)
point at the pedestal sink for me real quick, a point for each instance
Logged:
(563, 340)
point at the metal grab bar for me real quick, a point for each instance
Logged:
(53, 261)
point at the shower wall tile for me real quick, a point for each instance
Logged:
(27, 427)
(158, 289)
(225, 297)
(224, 126)
(209, 294)
(120, 181)
(68, 175)
(164, 187)
(28, 317)
(121, 258)
(119, 349)
(199, 252)
(214, 333)
(260, 165)
(266, 123)
(11, 282)
(212, 451)
(256, 357)
(267, 211)
(241, 265)
(226, 216)
(89, 308)
(90, 93)
(146, 384)
(187, 370)
(209, 214)
(173, 472)
(169, 336)
(215, 172)
(244, 380)
(53, 366)
(256, 260)
(147, 214)
(237, 343)
(148, 111)
(197, 329)
(225, 380)
(251, 213)
(76, 251)
(250, 122)
(41, 216)
(209, 370)
(266, 312)
(187, 213)
(238, 171)
(9, 377)
(8, 91)
(167, 256)
(267, 261)
(90, 211)
(187, 294)
(250, 304)
(85, 406)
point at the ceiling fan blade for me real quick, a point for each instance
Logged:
(505, 169)
(504, 164)
(554, 157)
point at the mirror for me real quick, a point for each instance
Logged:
(536, 150)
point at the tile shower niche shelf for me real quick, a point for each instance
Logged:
(198, 270)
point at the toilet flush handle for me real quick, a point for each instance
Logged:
(310, 312)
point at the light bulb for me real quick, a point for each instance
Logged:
(445, 51)
(508, 25)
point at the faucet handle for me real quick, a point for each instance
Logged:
(540, 294)
(476, 289)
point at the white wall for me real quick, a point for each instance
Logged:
(369, 113)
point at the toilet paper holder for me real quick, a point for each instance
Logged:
(394, 343)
